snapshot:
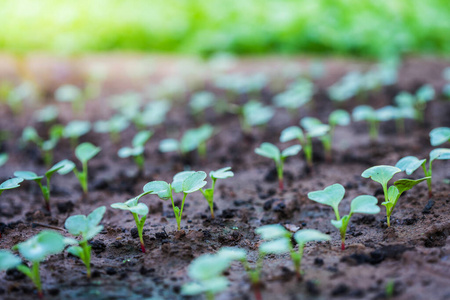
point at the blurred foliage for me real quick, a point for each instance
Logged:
(350, 27)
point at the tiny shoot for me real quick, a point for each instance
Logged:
(209, 193)
(137, 149)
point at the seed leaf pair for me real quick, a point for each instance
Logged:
(209, 193)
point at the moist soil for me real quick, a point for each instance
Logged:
(412, 256)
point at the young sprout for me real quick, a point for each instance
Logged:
(280, 239)
(206, 271)
(191, 140)
(315, 128)
(409, 164)
(138, 210)
(35, 249)
(338, 117)
(418, 102)
(253, 113)
(137, 151)
(271, 151)
(75, 129)
(46, 114)
(3, 158)
(439, 136)
(71, 93)
(297, 95)
(30, 134)
(367, 113)
(200, 102)
(209, 193)
(86, 227)
(333, 195)
(84, 152)
(382, 174)
(399, 114)
(155, 113)
(63, 167)
(113, 126)
(186, 182)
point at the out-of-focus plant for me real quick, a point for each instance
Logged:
(137, 149)
(113, 126)
(209, 193)
(75, 129)
(30, 134)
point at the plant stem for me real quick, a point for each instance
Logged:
(373, 129)
(140, 228)
(280, 174)
(85, 176)
(428, 174)
(87, 257)
(181, 211)
(37, 278)
(343, 244)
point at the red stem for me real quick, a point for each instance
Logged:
(342, 245)
(40, 295)
(257, 292)
(47, 205)
(280, 184)
(430, 194)
(142, 248)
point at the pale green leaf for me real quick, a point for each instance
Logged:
(308, 235)
(364, 204)
(409, 164)
(194, 182)
(272, 231)
(38, 247)
(269, 150)
(278, 246)
(86, 151)
(440, 153)
(439, 136)
(8, 260)
(381, 174)
(10, 184)
(291, 133)
(221, 173)
(331, 195)
(27, 175)
(291, 151)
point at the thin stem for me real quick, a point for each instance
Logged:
(373, 130)
(37, 278)
(181, 210)
(87, 257)
(280, 165)
(140, 228)
(85, 178)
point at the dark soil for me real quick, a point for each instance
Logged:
(413, 254)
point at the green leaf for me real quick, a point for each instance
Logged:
(440, 153)
(393, 194)
(291, 133)
(141, 138)
(3, 158)
(86, 226)
(278, 246)
(425, 93)
(308, 235)
(213, 286)
(319, 130)
(160, 188)
(364, 204)
(269, 150)
(439, 136)
(68, 166)
(409, 164)
(363, 113)
(30, 134)
(85, 151)
(27, 175)
(68, 93)
(76, 251)
(54, 169)
(127, 151)
(256, 114)
(331, 195)
(221, 173)
(341, 223)
(232, 253)
(76, 225)
(272, 231)
(47, 114)
(10, 184)
(38, 247)
(381, 174)
(192, 289)
(76, 128)
(177, 182)
(339, 117)
(406, 184)
(194, 182)
(309, 123)
(201, 267)
(8, 260)
(169, 145)
(291, 151)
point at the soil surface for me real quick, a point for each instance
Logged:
(412, 256)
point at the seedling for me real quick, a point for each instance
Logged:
(279, 240)
(418, 101)
(338, 117)
(399, 114)
(333, 195)
(209, 193)
(439, 136)
(137, 151)
(315, 128)
(84, 152)
(35, 249)
(253, 113)
(367, 113)
(297, 95)
(409, 164)
(86, 227)
(155, 113)
(206, 271)
(10, 184)
(186, 182)
(191, 140)
(63, 167)
(3, 158)
(75, 129)
(271, 151)
(113, 126)
(46, 114)
(382, 174)
(200, 102)
(138, 210)
(71, 94)
(30, 134)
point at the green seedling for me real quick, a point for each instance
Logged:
(382, 174)
(138, 210)
(409, 164)
(86, 227)
(47, 114)
(75, 129)
(333, 195)
(17, 96)
(84, 152)
(418, 102)
(338, 117)
(315, 129)
(367, 113)
(63, 167)
(3, 158)
(399, 114)
(347, 87)
(271, 151)
(207, 280)
(297, 95)
(209, 193)
(191, 140)
(186, 182)
(137, 151)
(253, 113)
(113, 126)
(35, 249)
(155, 113)
(30, 134)
(200, 102)
(71, 94)
(439, 136)
(278, 240)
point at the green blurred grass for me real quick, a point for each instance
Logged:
(369, 28)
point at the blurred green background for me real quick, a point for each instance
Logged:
(366, 28)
